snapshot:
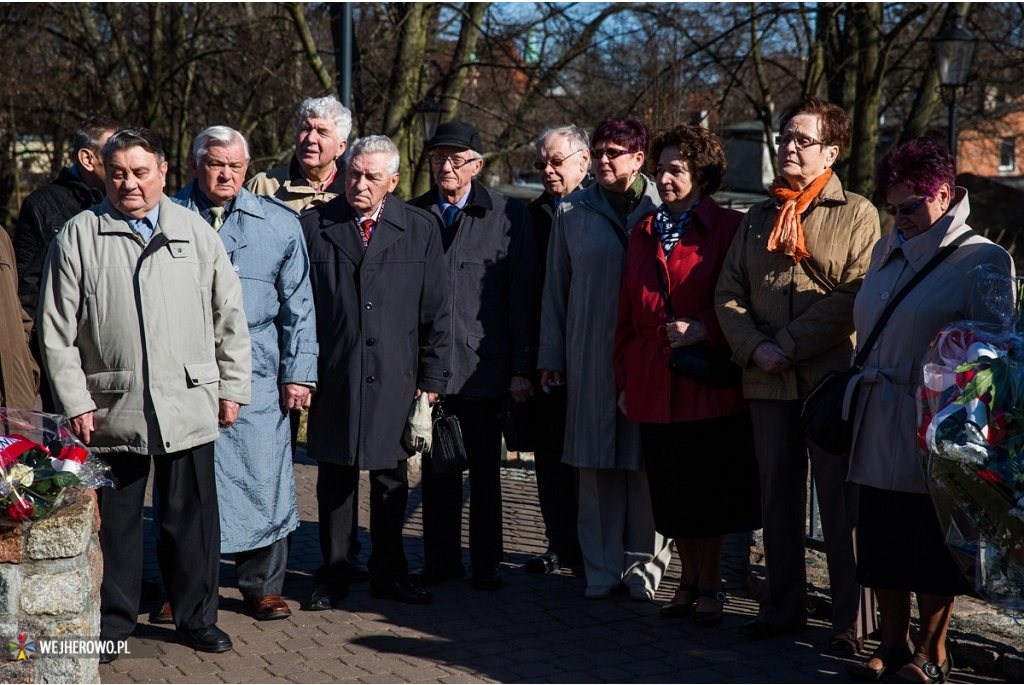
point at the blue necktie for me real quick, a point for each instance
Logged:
(450, 213)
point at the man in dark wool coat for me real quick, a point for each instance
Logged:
(380, 289)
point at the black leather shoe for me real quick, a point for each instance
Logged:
(543, 563)
(760, 630)
(357, 572)
(209, 639)
(487, 578)
(435, 575)
(107, 657)
(401, 591)
(327, 596)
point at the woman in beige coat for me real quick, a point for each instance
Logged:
(784, 301)
(900, 545)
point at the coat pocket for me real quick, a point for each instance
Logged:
(202, 373)
(118, 381)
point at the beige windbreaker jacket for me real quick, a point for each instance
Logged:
(763, 296)
(149, 336)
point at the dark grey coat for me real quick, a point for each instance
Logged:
(383, 326)
(494, 295)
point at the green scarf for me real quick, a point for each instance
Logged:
(624, 203)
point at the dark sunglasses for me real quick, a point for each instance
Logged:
(905, 210)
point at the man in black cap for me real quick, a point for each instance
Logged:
(494, 294)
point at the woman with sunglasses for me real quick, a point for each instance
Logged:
(785, 303)
(900, 545)
(677, 252)
(586, 257)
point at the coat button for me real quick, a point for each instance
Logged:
(371, 379)
(885, 295)
(368, 305)
(446, 373)
(371, 342)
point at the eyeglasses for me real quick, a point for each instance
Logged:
(556, 162)
(610, 152)
(438, 161)
(905, 210)
(801, 142)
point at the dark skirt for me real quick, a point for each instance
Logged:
(900, 545)
(703, 476)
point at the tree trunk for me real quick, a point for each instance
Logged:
(866, 22)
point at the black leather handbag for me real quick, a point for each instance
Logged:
(519, 425)
(447, 452)
(830, 409)
(708, 364)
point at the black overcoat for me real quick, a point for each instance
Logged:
(495, 292)
(383, 325)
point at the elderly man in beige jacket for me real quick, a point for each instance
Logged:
(147, 348)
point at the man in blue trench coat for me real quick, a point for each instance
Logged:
(255, 478)
(380, 286)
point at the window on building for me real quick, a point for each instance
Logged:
(1008, 154)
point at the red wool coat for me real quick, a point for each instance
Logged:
(653, 393)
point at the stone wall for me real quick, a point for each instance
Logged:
(50, 574)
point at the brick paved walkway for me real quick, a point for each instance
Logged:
(537, 629)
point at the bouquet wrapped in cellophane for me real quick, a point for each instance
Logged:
(971, 425)
(40, 458)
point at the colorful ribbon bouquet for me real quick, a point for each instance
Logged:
(40, 459)
(971, 426)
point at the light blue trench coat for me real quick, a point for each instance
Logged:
(255, 477)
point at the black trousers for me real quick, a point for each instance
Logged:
(188, 545)
(337, 495)
(557, 482)
(442, 496)
(260, 572)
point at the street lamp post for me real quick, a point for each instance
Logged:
(430, 116)
(954, 52)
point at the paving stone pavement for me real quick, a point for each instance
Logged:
(537, 629)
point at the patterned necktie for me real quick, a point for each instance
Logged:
(367, 225)
(218, 217)
(450, 213)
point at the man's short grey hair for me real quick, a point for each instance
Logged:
(134, 137)
(378, 144)
(578, 138)
(217, 135)
(326, 107)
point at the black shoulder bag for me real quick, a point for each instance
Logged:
(708, 364)
(828, 412)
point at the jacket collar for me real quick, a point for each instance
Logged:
(296, 181)
(116, 223)
(921, 248)
(336, 223)
(594, 199)
(85, 194)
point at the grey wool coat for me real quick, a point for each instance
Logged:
(586, 260)
(255, 478)
(384, 329)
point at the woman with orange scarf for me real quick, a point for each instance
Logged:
(785, 303)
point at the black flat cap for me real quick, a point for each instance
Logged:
(457, 134)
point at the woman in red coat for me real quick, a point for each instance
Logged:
(697, 439)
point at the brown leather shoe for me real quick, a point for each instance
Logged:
(269, 608)
(164, 615)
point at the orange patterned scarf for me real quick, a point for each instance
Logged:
(788, 233)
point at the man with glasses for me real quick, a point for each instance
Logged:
(563, 160)
(494, 295)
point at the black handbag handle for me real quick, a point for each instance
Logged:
(865, 349)
(664, 293)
